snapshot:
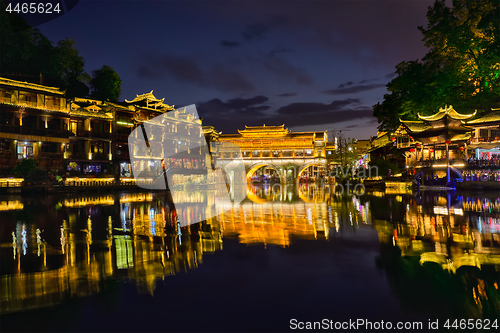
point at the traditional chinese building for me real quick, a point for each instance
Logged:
(275, 150)
(175, 143)
(90, 149)
(439, 139)
(486, 136)
(86, 138)
(34, 124)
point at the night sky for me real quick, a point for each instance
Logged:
(309, 65)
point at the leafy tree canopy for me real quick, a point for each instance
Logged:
(24, 168)
(106, 84)
(26, 53)
(461, 68)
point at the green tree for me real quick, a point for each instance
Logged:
(24, 168)
(71, 71)
(106, 84)
(26, 53)
(462, 67)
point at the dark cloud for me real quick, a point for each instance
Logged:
(287, 95)
(148, 73)
(236, 107)
(256, 30)
(343, 85)
(228, 81)
(314, 108)
(278, 51)
(284, 70)
(238, 112)
(354, 89)
(390, 75)
(229, 43)
(384, 32)
(185, 69)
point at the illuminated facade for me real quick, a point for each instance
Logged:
(440, 136)
(274, 151)
(83, 137)
(34, 123)
(486, 136)
(171, 136)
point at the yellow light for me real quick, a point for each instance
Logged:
(11, 205)
(438, 165)
(90, 156)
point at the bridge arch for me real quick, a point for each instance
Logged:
(306, 166)
(259, 165)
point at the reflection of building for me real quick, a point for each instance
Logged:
(274, 150)
(135, 247)
(275, 222)
(272, 215)
(465, 234)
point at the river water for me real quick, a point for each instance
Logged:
(121, 262)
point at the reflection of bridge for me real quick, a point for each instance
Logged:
(274, 150)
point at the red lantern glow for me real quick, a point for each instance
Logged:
(393, 139)
(412, 150)
(461, 148)
(417, 144)
(447, 141)
(431, 150)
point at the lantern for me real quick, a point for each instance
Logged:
(461, 148)
(417, 144)
(412, 150)
(447, 142)
(393, 139)
(431, 150)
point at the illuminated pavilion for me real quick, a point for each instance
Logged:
(277, 150)
(440, 137)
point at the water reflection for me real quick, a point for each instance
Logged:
(73, 244)
(451, 241)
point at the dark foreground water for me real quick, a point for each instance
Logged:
(119, 262)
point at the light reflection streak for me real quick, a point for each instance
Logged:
(149, 250)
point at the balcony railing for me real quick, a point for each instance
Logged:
(485, 139)
(34, 131)
(461, 163)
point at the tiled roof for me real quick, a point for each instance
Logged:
(26, 85)
(415, 126)
(492, 116)
(447, 111)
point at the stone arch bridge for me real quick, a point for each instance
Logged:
(274, 150)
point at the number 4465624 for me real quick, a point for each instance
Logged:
(484, 324)
(34, 8)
